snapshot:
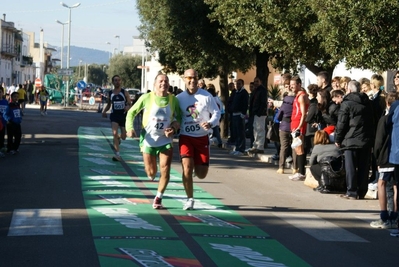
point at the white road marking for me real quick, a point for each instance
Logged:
(26, 222)
(319, 228)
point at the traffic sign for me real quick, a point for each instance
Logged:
(65, 72)
(92, 101)
(81, 84)
(38, 82)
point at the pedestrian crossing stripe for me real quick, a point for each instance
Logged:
(127, 230)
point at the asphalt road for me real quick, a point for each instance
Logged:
(323, 230)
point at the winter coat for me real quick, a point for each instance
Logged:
(285, 112)
(259, 102)
(355, 127)
(382, 145)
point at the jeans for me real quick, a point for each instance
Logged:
(259, 132)
(357, 164)
(216, 134)
(251, 130)
(239, 132)
(232, 138)
(285, 148)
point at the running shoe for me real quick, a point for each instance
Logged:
(381, 224)
(189, 205)
(373, 186)
(116, 158)
(157, 204)
(394, 233)
(298, 177)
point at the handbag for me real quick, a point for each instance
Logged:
(333, 175)
(272, 132)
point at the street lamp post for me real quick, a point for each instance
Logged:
(69, 42)
(109, 52)
(62, 41)
(119, 43)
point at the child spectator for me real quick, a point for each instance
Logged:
(12, 115)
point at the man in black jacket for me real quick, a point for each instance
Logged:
(354, 135)
(258, 109)
(239, 111)
(229, 111)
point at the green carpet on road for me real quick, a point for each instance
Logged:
(127, 231)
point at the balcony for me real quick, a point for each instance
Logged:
(9, 51)
(26, 60)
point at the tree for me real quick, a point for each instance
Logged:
(185, 38)
(126, 67)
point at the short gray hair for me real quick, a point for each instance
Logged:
(353, 86)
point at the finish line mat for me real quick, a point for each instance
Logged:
(127, 231)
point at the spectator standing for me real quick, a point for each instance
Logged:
(229, 105)
(239, 109)
(313, 117)
(259, 112)
(250, 123)
(335, 83)
(323, 81)
(386, 181)
(284, 116)
(298, 127)
(13, 118)
(219, 103)
(354, 135)
(199, 114)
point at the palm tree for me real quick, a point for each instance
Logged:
(274, 92)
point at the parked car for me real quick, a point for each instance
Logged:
(133, 92)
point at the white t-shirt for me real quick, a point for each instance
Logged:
(196, 109)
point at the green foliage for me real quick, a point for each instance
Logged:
(274, 92)
(126, 67)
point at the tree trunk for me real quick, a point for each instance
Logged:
(262, 67)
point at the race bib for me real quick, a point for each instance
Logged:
(118, 105)
(43, 98)
(192, 127)
(17, 113)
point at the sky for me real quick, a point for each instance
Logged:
(94, 22)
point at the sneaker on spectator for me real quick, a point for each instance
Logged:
(237, 153)
(373, 186)
(189, 205)
(12, 152)
(381, 224)
(280, 171)
(275, 157)
(289, 159)
(294, 171)
(298, 177)
(394, 233)
(232, 152)
(157, 204)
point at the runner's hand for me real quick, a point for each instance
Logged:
(131, 133)
(169, 132)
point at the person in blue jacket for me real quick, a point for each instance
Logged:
(12, 116)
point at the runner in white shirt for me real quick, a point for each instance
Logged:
(199, 113)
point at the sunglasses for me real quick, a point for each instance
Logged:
(190, 78)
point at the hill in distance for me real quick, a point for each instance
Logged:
(87, 55)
